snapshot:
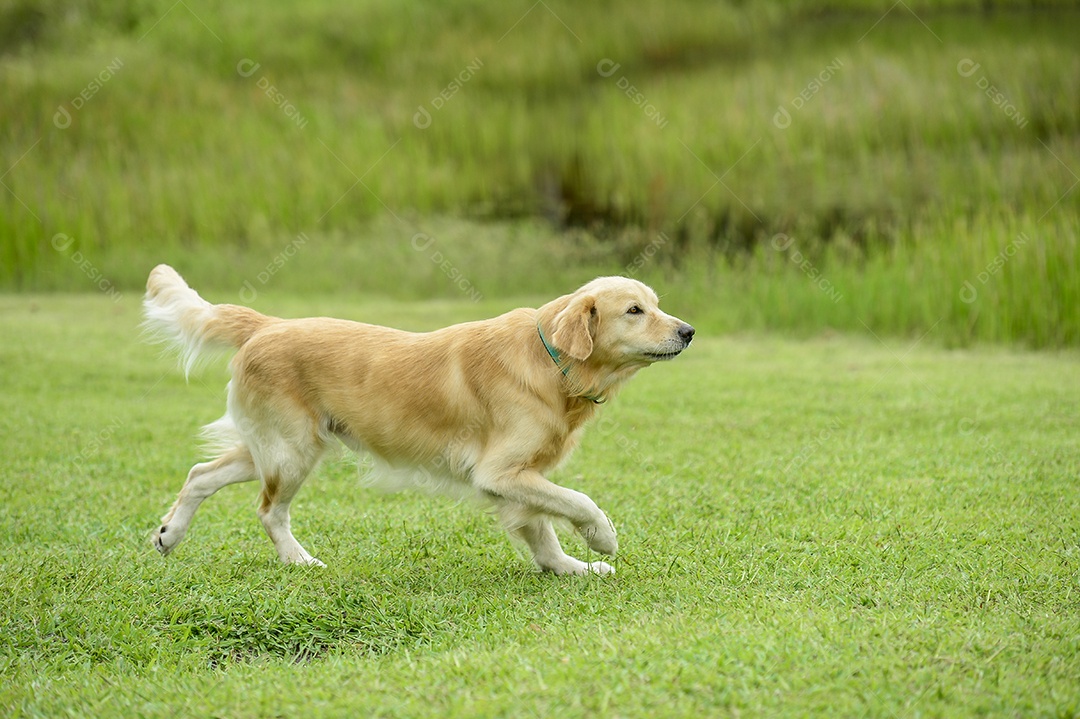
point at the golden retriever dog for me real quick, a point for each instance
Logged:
(485, 407)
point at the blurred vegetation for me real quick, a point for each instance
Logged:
(853, 165)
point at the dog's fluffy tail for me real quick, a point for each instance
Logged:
(176, 315)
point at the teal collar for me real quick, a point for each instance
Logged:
(558, 362)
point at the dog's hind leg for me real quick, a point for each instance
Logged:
(235, 465)
(281, 482)
(548, 553)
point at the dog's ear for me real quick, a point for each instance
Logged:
(575, 327)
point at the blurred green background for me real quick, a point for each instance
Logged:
(903, 168)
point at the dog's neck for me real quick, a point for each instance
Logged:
(564, 366)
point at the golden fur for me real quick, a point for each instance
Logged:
(480, 406)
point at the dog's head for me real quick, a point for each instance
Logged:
(615, 322)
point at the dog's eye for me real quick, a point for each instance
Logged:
(635, 310)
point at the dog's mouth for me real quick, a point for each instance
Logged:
(667, 351)
(662, 356)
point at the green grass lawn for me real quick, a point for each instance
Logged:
(831, 526)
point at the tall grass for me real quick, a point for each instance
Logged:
(220, 133)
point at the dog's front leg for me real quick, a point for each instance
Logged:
(548, 553)
(530, 489)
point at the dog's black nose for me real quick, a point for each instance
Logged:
(686, 333)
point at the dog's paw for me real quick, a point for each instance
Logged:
(600, 568)
(600, 537)
(165, 539)
(568, 566)
(300, 558)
